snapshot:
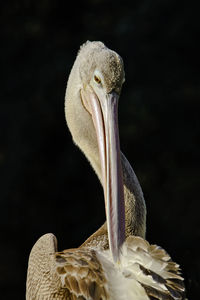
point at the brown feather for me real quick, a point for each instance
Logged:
(81, 273)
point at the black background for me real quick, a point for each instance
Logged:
(46, 184)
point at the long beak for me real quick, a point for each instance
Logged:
(104, 111)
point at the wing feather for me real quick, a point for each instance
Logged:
(160, 276)
(145, 272)
(81, 273)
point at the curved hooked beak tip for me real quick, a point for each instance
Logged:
(104, 112)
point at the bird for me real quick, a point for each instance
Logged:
(116, 262)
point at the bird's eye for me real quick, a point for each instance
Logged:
(97, 79)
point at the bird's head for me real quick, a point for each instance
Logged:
(101, 67)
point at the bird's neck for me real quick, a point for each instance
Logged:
(85, 138)
(135, 209)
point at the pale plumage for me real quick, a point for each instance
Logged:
(145, 272)
(117, 264)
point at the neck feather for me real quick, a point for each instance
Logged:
(85, 138)
(135, 208)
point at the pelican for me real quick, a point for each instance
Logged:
(116, 262)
